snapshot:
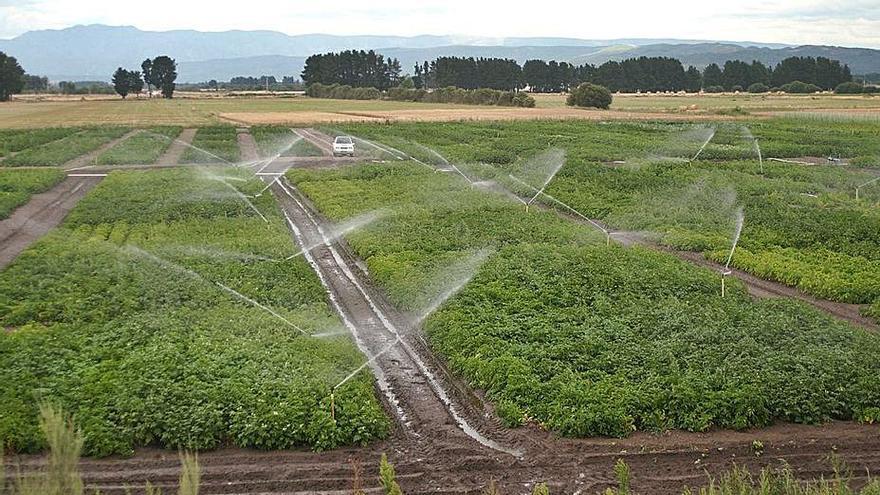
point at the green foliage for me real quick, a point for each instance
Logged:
(17, 186)
(781, 481)
(592, 340)
(621, 472)
(90, 307)
(714, 89)
(163, 73)
(758, 87)
(65, 445)
(849, 88)
(451, 94)
(387, 477)
(798, 87)
(213, 145)
(60, 151)
(11, 77)
(15, 140)
(143, 148)
(589, 95)
(273, 139)
(541, 489)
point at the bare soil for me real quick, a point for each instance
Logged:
(43, 212)
(174, 152)
(247, 146)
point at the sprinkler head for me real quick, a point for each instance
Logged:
(726, 273)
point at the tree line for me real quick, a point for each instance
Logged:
(355, 68)
(647, 74)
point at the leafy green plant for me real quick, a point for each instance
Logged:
(60, 151)
(387, 477)
(143, 148)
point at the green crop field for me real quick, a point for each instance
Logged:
(60, 151)
(272, 139)
(17, 186)
(118, 317)
(803, 225)
(588, 339)
(13, 141)
(143, 148)
(213, 144)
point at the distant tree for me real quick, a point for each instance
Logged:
(693, 80)
(589, 95)
(35, 83)
(163, 73)
(67, 87)
(849, 88)
(121, 82)
(147, 69)
(800, 87)
(135, 82)
(758, 87)
(407, 83)
(212, 84)
(11, 77)
(712, 76)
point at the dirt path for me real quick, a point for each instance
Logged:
(43, 212)
(174, 152)
(247, 146)
(92, 156)
(319, 139)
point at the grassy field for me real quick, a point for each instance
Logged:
(119, 318)
(207, 111)
(60, 151)
(588, 339)
(213, 144)
(143, 148)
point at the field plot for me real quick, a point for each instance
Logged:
(13, 141)
(17, 186)
(61, 151)
(588, 339)
(143, 148)
(803, 226)
(272, 140)
(163, 313)
(213, 144)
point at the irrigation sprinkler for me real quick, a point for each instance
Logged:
(760, 156)
(569, 208)
(740, 219)
(711, 135)
(859, 187)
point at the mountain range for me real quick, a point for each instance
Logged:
(93, 52)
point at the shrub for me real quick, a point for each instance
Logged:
(589, 95)
(451, 94)
(849, 88)
(799, 87)
(737, 89)
(758, 88)
(714, 89)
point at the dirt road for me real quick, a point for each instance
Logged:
(92, 156)
(174, 152)
(43, 212)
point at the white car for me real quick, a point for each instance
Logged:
(343, 145)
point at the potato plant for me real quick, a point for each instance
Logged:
(212, 145)
(17, 186)
(61, 151)
(14, 140)
(143, 148)
(117, 317)
(587, 339)
(273, 139)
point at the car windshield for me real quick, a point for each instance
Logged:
(343, 140)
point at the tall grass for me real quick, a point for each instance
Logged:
(190, 474)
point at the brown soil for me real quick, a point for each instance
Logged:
(174, 152)
(92, 156)
(247, 146)
(43, 212)
(322, 141)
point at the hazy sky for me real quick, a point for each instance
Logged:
(839, 22)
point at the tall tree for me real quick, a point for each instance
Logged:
(163, 73)
(694, 80)
(147, 69)
(135, 82)
(712, 76)
(35, 83)
(11, 77)
(121, 82)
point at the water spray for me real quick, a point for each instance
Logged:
(865, 184)
(238, 193)
(569, 208)
(711, 135)
(740, 219)
(346, 227)
(184, 143)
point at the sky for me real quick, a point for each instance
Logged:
(829, 22)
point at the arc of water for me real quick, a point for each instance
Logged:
(368, 362)
(556, 170)
(567, 207)
(866, 184)
(711, 135)
(740, 219)
(241, 196)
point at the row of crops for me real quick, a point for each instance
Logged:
(272, 140)
(17, 186)
(588, 339)
(803, 226)
(117, 317)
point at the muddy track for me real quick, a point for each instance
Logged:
(319, 139)
(247, 145)
(174, 152)
(39, 215)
